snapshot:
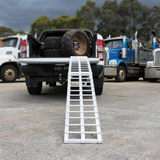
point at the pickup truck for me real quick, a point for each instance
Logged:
(46, 59)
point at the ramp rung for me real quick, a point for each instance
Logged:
(82, 118)
(90, 141)
(83, 125)
(84, 132)
(81, 112)
(80, 81)
(83, 105)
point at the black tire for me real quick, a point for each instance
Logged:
(52, 43)
(75, 43)
(98, 84)
(135, 78)
(53, 53)
(35, 90)
(132, 78)
(9, 73)
(52, 84)
(153, 80)
(98, 90)
(121, 74)
(128, 78)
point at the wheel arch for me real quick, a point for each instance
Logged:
(15, 64)
(122, 63)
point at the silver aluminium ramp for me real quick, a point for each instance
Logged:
(82, 123)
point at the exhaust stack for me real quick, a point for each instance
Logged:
(154, 40)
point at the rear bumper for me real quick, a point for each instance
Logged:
(152, 73)
(37, 70)
(108, 71)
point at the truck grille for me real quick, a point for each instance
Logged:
(157, 58)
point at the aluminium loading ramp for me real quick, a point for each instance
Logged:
(82, 123)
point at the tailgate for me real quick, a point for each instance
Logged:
(52, 60)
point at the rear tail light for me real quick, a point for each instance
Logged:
(23, 49)
(100, 49)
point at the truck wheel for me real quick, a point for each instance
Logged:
(132, 78)
(153, 80)
(75, 43)
(9, 73)
(53, 53)
(121, 74)
(52, 84)
(98, 90)
(135, 78)
(98, 84)
(35, 90)
(52, 43)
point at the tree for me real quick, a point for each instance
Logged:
(39, 25)
(88, 16)
(154, 20)
(73, 23)
(22, 32)
(62, 22)
(110, 21)
(131, 12)
(5, 30)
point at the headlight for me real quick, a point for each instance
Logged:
(150, 63)
(112, 63)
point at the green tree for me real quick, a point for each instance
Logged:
(6, 30)
(41, 24)
(73, 23)
(22, 32)
(154, 20)
(62, 22)
(131, 12)
(88, 16)
(110, 21)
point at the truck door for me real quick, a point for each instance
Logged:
(130, 52)
(19, 45)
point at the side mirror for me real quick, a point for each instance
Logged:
(35, 35)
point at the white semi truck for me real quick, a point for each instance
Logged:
(152, 70)
(10, 69)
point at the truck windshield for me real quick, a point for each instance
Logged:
(114, 44)
(10, 42)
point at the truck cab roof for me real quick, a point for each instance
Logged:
(14, 36)
(117, 38)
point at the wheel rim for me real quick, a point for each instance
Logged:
(79, 44)
(9, 74)
(121, 74)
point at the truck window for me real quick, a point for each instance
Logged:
(10, 42)
(19, 44)
(117, 44)
(108, 44)
(129, 44)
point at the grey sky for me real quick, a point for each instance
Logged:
(19, 14)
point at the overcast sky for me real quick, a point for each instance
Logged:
(19, 14)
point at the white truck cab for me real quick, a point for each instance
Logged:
(10, 68)
(152, 70)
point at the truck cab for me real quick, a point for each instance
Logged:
(9, 58)
(125, 58)
(152, 70)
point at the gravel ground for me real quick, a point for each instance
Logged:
(32, 127)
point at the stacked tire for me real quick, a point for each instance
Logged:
(52, 47)
(73, 43)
